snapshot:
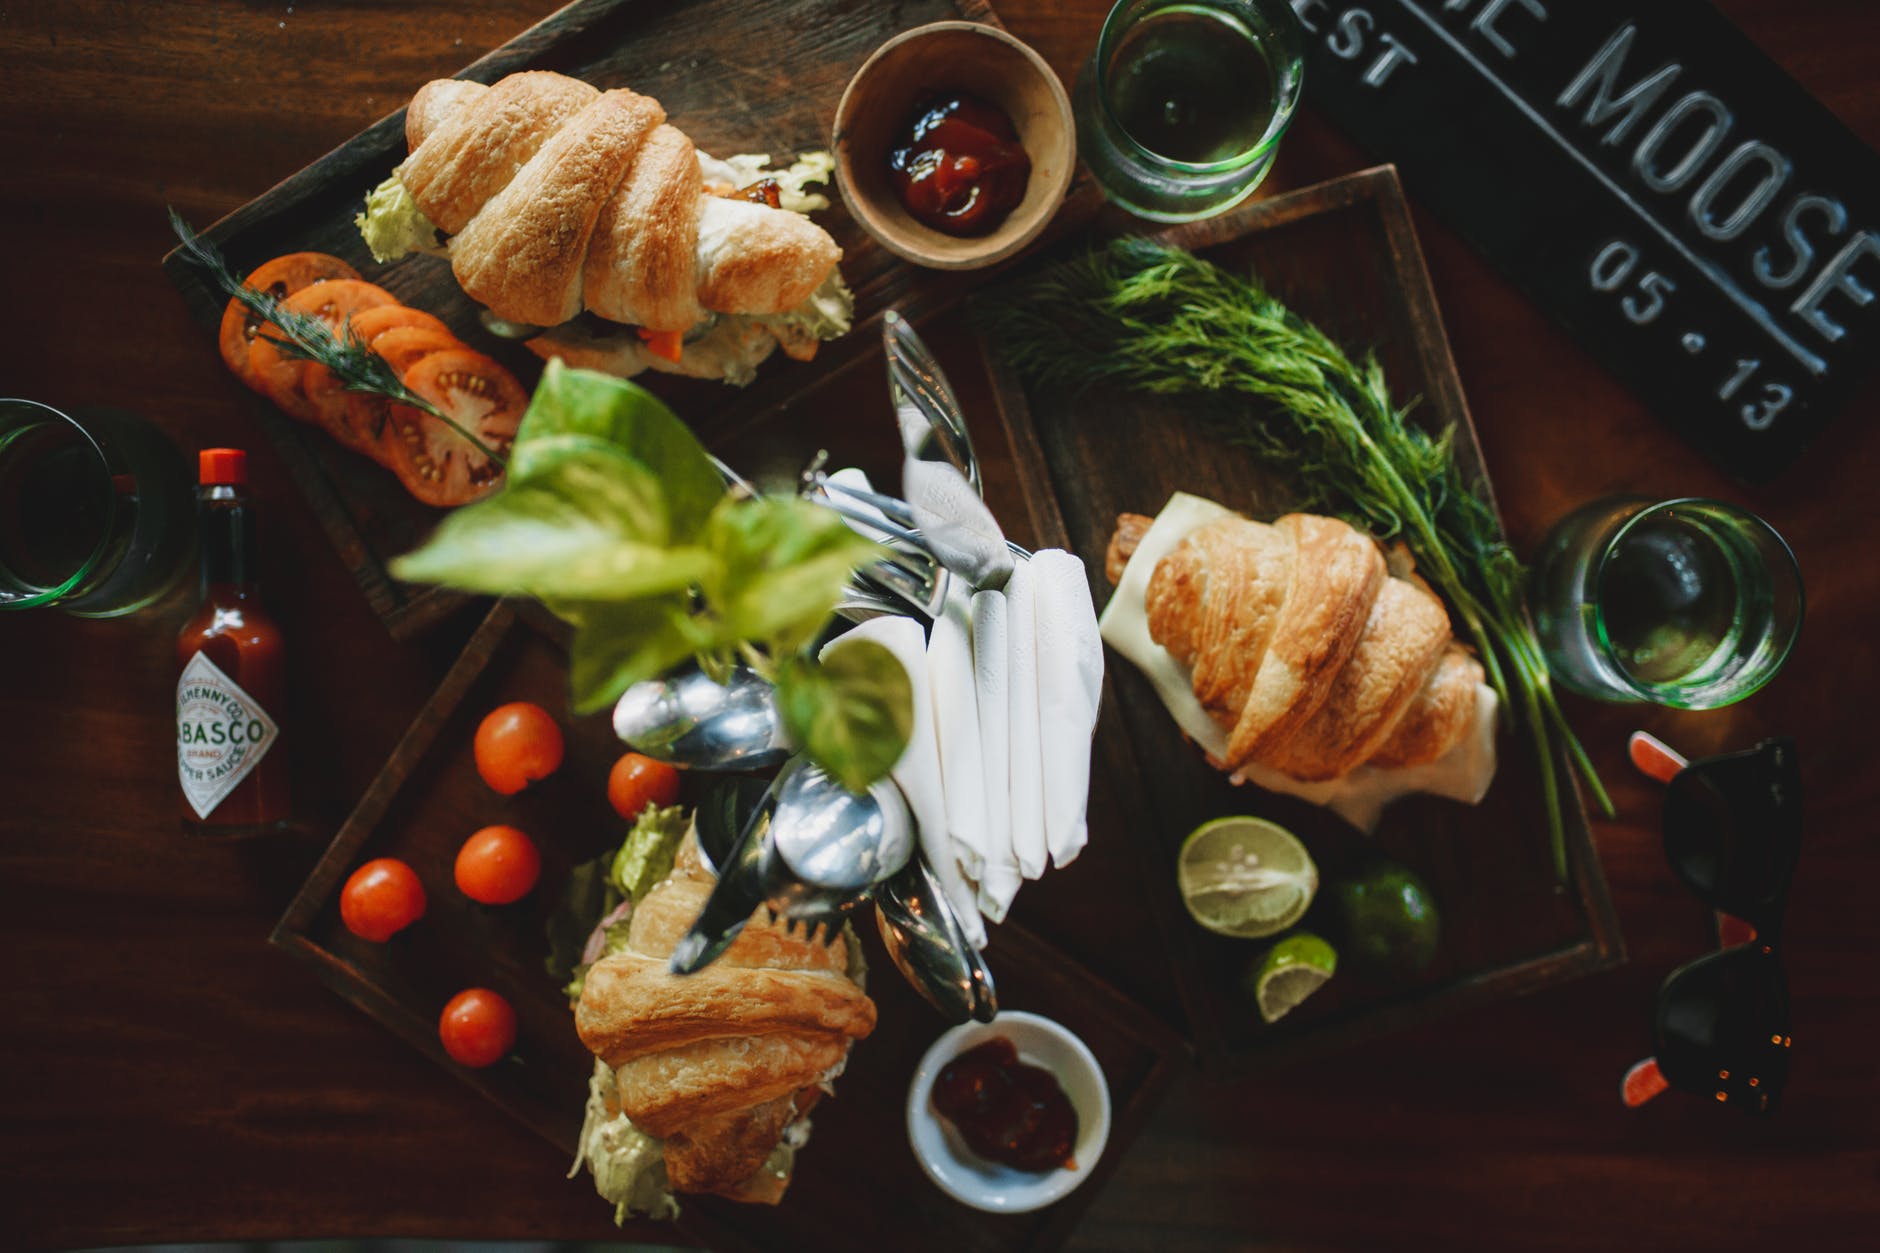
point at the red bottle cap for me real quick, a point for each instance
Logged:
(222, 467)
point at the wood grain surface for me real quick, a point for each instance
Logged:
(165, 1074)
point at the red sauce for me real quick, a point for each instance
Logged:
(960, 168)
(1006, 1110)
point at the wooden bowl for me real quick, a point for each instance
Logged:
(879, 103)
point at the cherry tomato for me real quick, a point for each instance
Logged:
(497, 865)
(636, 782)
(477, 1027)
(517, 744)
(382, 898)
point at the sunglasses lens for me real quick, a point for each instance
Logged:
(1733, 829)
(1723, 1028)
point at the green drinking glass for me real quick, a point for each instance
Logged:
(96, 510)
(1181, 107)
(1688, 603)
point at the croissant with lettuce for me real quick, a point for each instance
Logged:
(703, 1082)
(586, 213)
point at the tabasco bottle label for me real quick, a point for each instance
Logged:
(221, 734)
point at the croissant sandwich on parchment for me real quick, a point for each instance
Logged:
(585, 212)
(714, 1071)
(1298, 658)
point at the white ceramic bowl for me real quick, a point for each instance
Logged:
(971, 1179)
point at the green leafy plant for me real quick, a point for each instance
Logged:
(1145, 315)
(613, 515)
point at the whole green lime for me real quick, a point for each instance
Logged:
(1391, 926)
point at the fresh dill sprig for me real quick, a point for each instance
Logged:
(1145, 315)
(349, 357)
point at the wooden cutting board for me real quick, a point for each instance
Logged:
(857, 1186)
(1342, 254)
(736, 76)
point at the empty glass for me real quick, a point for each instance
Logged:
(97, 510)
(1688, 603)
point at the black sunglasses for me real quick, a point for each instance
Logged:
(1733, 831)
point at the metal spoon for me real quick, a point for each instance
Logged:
(693, 721)
(927, 945)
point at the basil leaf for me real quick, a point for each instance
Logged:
(619, 644)
(590, 526)
(852, 712)
(577, 410)
(782, 565)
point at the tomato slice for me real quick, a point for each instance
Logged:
(405, 346)
(369, 324)
(281, 278)
(437, 465)
(333, 405)
(279, 375)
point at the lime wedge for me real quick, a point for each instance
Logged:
(1293, 969)
(1245, 877)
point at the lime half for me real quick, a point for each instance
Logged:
(1245, 877)
(1292, 970)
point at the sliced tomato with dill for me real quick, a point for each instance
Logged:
(278, 374)
(405, 346)
(280, 278)
(436, 463)
(334, 406)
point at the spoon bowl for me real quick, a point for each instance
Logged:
(689, 720)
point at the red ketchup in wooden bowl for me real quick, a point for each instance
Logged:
(1006, 1110)
(959, 167)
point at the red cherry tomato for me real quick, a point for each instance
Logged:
(517, 744)
(497, 865)
(636, 782)
(477, 1027)
(382, 898)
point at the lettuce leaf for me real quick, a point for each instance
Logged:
(629, 1166)
(392, 224)
(646, 855)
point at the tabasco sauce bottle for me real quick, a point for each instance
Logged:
(233, 684)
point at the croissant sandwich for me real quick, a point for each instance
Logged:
(1311, 663)
(710, 1075)
(585, 212)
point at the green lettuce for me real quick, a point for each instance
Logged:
(615, 517)
(393, 224)
(647, 854)
(629, 1166)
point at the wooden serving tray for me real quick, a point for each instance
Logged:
(736, 76)
(1343, 254)
(857, 1186)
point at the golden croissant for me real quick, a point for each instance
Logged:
(720, 1063)
(1302, 646)
(561, 197)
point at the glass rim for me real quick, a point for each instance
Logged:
(1287, 102)
(1666, 693)
(52, 595)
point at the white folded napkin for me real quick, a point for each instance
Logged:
(998, 874)
(918, 770)
(1070, 684)
(1027, 755)
(956, 724)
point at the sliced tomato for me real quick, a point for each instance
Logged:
(405, 346)
(279, 375)
(438, 465)
(369, 324)
(667, 344)
(281, 278)
(333, 405)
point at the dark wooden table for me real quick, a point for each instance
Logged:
(166, 1075)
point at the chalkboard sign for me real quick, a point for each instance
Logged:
(1700, 223)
